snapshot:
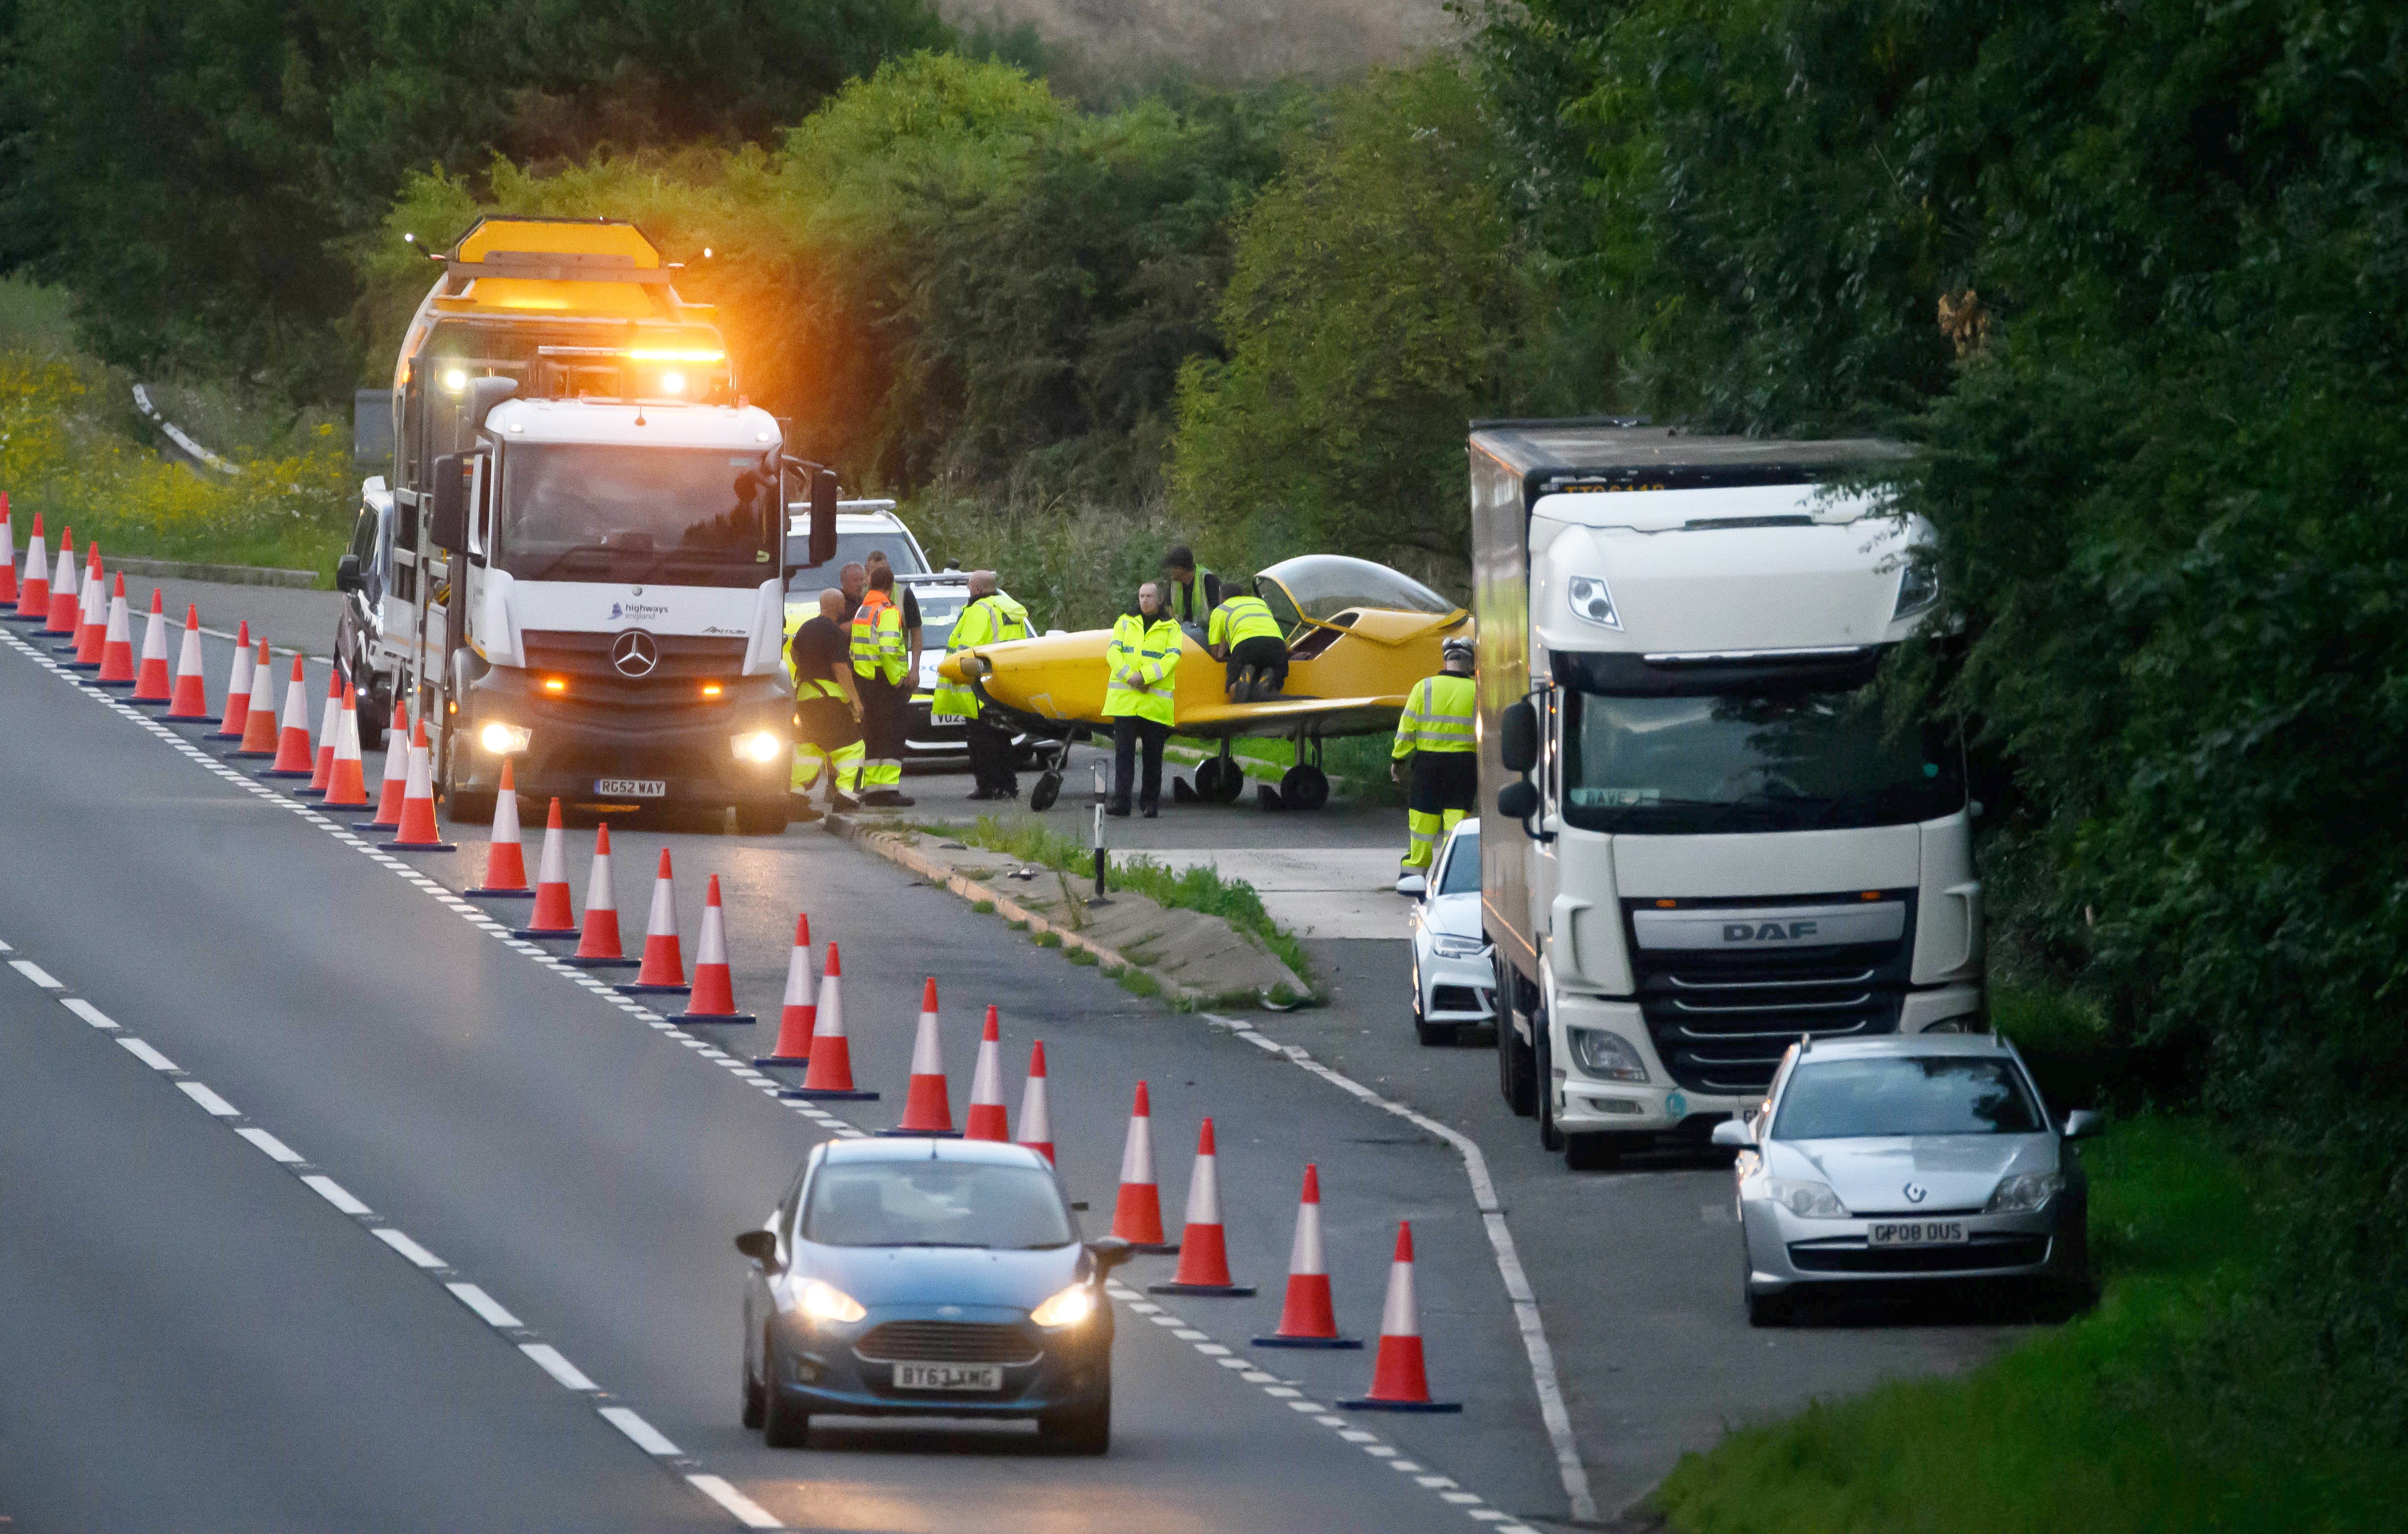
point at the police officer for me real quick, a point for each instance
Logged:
(991, 618)
(1189, 595)
(1246, 637)
(1435, 736)
(828, 709)
(1142, 668)
(878, 673)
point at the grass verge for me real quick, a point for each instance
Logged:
(2185, 1401)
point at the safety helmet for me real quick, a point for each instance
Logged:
(1456, 648)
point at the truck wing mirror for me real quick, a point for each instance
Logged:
(1518, 800)
(347, 573)
(822, 535)
(1518, 737)
(483, 395)
(447, 523)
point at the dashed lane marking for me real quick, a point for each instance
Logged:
(642, 1433)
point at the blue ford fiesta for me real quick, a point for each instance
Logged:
(929, 1278)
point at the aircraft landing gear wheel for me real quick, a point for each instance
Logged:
(1219, 781)
(1048, 789)
(1304, 787)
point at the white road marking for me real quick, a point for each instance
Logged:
(417, 1256)
(647, 1437)
(212, 1104)
(276, 1149)
(335, 1193)
(486, 1306)
(35, 973)
(148, 1055)
(548, 1358)
(749, 1514)
(89, 1012)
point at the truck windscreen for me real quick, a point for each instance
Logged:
(1783, 762)
(680, 516)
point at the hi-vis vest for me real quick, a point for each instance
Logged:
(1241, 618)
(1143, 664)
(990, 620)
(878, 638)
(1439, 715)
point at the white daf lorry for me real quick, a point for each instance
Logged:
(1713, 820)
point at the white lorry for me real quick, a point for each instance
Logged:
(1709, 824)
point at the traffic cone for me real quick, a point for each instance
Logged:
(987, 1120)
(91, 618)
(1036, 1123)
(831, 1072)
(1307, 1320)
(259, 720)
(192, 697)
(1137, 1212)
(796, 1016)
(8, 553)
(597, 942)
(293, 738)
(395, 784)
(505, 858)
(345, 785)
(67, 603)
(330, 720)
(418, 833)
(1204, 1246)
(117, 644)
(552, 916)
(926, 1109)
(1398, 1382)
(152, 684)
(664, 969)
(714, 987)
(34, 591)
(237, 709)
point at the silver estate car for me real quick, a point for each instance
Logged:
(1907, 1159)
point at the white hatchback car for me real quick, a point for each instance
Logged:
(1454, 975)
(1911, 1157)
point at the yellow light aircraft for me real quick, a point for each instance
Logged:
(1359, 636)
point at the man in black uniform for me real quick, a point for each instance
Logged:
(1188, 595)
(828, 709)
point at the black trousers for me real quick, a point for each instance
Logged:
(1129, 733)
(991, 763)
(883, 717)
(1266, 657)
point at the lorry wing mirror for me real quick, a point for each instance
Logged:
(447, 523)
(1518, 800)
(822, 516)
(347, 573)
(1518, 742)
(483, 395)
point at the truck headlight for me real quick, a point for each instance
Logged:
(1591, 602)
(1808, 1199)
(760, 746)
(504, 739)
(1606, 1055)
(2024, 1193)
(1446, 945)
(1066, 1308)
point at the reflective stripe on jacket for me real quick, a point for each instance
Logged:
(1440, 713)
(1142, 666)
(878, 638)
(990, 620)
(1241, 618)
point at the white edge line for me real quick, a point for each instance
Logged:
(749, 1512)
(277, 1150)
(487, 1308)
(415, 1254)
(148, 1055)
(645, 1436)
(549, 1359)
(211, 1103)
(335, 1193)
(89, 1012)
(35, 973)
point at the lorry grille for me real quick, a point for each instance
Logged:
(683, 656)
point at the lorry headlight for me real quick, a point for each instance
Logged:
(1606, 1055)
(504, 739)
(759, 746)
(1591, 602)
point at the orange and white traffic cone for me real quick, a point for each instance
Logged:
(663, 967)
(259, 730)
(714, 985)
(597, 942)
(796, 1016)
(1137, 1211)
(987, 1119)
(345, 785)
(92, 617)
(1204, 1246)
(1307, 1320)
(192, 697)
(1036, 1123)
(926, 1109)
(330, 721)
(117, 643)
(8, 553)
(831, 1072)
(152, 683)
(34, 591)
(1399, 1380)
(237, 709)
(505, 858)
(394, 785)
(418, 833)
(65, 601)
(293, 754)
(553, 917)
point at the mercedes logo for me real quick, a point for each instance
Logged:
(1916, 1193)
(635, 653)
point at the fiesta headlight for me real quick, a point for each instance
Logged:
(759, 746)
(827, 1302)
(1607, 1056)
(1591, 602)
(1808, 1199)
(1066, 1308)
(2024, 1193)
(1446, 945)
(504, 739)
